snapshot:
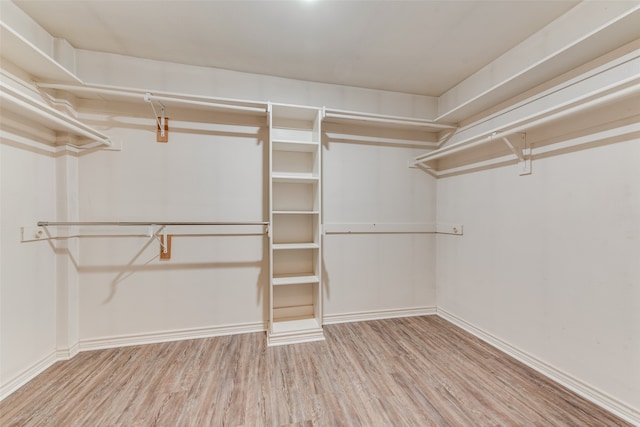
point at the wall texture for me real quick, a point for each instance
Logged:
(207, 172)
(549, 262)
(99, 291)
(218, 172)
(369, 272)
(28, 271)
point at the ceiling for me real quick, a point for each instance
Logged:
(419, 47)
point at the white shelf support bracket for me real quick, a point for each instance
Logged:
(446, 137)
(155, 235)
(522, 151)
(161, 119)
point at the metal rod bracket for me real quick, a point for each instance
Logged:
(522, 150)
(161, 120)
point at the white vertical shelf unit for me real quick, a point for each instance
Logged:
(295, 215)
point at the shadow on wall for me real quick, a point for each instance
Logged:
(146, 260)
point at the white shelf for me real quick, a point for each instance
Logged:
(293, 246)
(23, 105)
(295, 326)
(294, 112)
(296, 212)
(302, 178)
(383, 120)
(295, 331)
(294, 145)
(295, 279)
(20, 51)
(606, 84)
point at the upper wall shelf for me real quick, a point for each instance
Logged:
(20, 103)
(169, 99)
(609, 83)
(332, 115)
(30, 58)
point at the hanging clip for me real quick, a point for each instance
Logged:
(164, 242)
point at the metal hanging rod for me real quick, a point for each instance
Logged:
(199, 101)
(51, 116)
(330, 113)
(555, 114)
(144, 223)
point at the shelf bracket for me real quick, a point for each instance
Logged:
(162, 121)
(446, 137)
(522, 150)
(163, 242)
(163, 238)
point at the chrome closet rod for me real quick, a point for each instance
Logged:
(133, 223)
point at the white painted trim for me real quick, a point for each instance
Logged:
(166, 336)
(362, 316)
(295, 337)
(43, 147)
(583, 389)
(6, 388)
(67, 353)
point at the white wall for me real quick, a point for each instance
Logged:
(28, 273)
(549, 262)
(104, 291)
(217, 172)
(376, 272)
(206, 172)
(124, 71)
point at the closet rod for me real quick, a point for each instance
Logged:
(379, 118)
(167, 97)
(549, 117)
(50, 114)
(134, 223)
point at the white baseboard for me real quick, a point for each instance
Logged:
(166, 336)
(583, 389)
(27, 375)
(123, 341)
(216, 331)
(67, 353)
(362, 316)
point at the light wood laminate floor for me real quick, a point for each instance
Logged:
(419, 371)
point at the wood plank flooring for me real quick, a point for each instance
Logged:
(418, 371)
